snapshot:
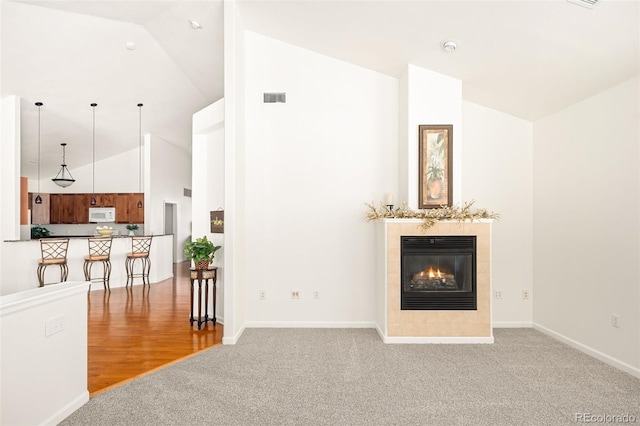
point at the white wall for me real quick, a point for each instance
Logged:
(311, 164)
(208, 160)
(169, 173)
(431, 98)
(497, 161)
(234, 175)
(118, 173)
(10, 162)
(586, 209)
(44, 378)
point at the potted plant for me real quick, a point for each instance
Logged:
(435, 173)
(201, 252)
(132, 227)
(39, 232)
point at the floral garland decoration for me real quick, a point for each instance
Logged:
(431, 216)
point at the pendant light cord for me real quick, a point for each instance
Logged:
(39, 104)
(93, 170)
(140, 149)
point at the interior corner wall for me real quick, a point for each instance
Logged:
(208, 184)
(586, 210)
(234, 171)
(169, 172)
(432, 98)
(498, 174)
(10, 172)
(311, 165)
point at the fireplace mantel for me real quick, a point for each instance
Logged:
(407, 326)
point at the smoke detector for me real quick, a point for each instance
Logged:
(449, 46)
(590, 4)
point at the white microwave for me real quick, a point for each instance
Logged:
(102, 214)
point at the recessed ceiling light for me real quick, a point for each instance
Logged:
(195, 25)
(130, 45)
(449, 46)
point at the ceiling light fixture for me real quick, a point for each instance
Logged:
(195, 25)
(449, 46)
(63, 178)
(140, 153)
(38, 199)
(93, 169)
(130, 45)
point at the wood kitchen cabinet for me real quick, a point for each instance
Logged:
(68, 208)
(74, 208)
(55, 208)
(81, 207)
(136, 214)
(127, 210)
(40, 213)
(108, 200)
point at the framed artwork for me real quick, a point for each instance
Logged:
(217, 221)
(436, 165)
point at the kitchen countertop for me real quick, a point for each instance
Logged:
(84, 236)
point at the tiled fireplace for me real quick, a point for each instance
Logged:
(465, 275)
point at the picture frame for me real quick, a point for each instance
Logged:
(435, 147)
(216, 218)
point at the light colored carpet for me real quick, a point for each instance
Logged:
(349, 377)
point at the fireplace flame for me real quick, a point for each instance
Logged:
(433, 274)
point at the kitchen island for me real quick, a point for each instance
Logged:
(21, 261)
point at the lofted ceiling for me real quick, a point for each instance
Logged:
(527, 58)
(69, 54)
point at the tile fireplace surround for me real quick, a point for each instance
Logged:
(422, 326)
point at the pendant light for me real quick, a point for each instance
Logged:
(63, 178)
(38, 199)
(93, 169)
(140, 154)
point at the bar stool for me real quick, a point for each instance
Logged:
(53, 252)
(140, 248)
(99, 251)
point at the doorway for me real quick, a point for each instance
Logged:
(171, 226)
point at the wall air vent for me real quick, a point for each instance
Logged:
(275, 97)
(585, 3)
(187, 192)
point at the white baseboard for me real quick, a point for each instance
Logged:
(232, 340)
(512, 324)
(158, 279)
(620, 365)
(68, 409)
(310, 324)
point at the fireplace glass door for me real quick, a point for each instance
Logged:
(438, 273)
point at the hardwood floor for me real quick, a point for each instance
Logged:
(134, 331)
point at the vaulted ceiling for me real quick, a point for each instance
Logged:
(525, 58)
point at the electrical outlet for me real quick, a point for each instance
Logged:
(262, 295)
(316, 295)
(615, 320)
(295, 294)
(497, 294)
(525, 294)
(54, 325)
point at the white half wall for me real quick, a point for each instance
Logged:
(498, 173)
(586, 223)
(310, 165)
(44, 377)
